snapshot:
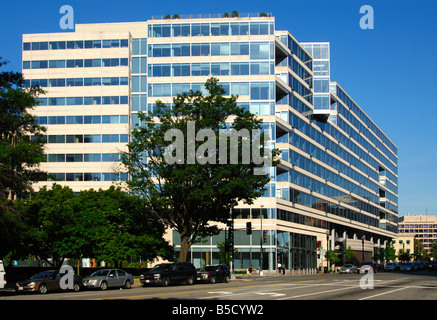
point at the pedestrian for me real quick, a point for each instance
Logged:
(249, 270)
(279, 267)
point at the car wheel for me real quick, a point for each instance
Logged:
(42, 289)
(127, 284)
(226, 279)
(212, 280)
(76, 287)
(165, 282)
(103, 285)
(190, 280)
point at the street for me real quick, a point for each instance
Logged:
(383, 286)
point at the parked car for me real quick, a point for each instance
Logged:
(214, 273)
(408, 267)
(417, 265)
(46, 281)
(365, 266)
(169, 273)
(349, 268)
(392, 266)
(2, 275)
(109, 278)
(432, 266)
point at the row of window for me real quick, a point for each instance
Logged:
(256, 50)
(418, 226)
(327, 207)
(377, 153)
(211, 69)
(91, 176)
(78, 101)
(369, 123)
(294, 102)
(83, 157)
(83, 138)
(298, 50)
(76, 44)
(77, 82)
(320, 154)
(76, 63)
(258, 90)
(294, 65)
(103, 119)
(383, 150)
(301, 125)
(324, 173)
(210, 29)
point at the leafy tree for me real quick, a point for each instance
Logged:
(225, 256)
(48, 215)
(125, 229)
(186, 194)
(404, 256)
(19, 155)
(12, 229)
(109, 225)
(349, 254)
(332, 256)
(390, 253)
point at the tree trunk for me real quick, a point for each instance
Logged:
(185, 246)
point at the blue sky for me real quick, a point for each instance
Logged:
(389, 71)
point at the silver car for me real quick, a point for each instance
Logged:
(107, 278)
(348, 268)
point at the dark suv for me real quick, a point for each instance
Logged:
(166, 273)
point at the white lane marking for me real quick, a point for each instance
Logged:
(273, 294)
(317, 293)
(380, 294)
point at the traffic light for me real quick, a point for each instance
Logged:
(264, 236)
(319, 244)
(248, 228)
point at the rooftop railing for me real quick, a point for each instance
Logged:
(212, 16)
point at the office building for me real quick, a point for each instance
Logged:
(419, 227)
(336, 185)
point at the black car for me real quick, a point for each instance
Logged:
(169, 273)
(432, 266)
(214, 273)
(46, 281)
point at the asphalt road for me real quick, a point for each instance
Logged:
(255, 295)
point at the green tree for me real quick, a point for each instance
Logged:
(404, 256)
(187, 195)
(389, 253)
(48, 214)
(19, 155)
(332, 256)
(109, 225)
(349, 255)
(125, 229)
(225, 256)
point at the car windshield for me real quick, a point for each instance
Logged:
(207, 268)
(161, 267)
(347, 266)
(42, 275)
(100, 273)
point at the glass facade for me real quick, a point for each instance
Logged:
(338, 177)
